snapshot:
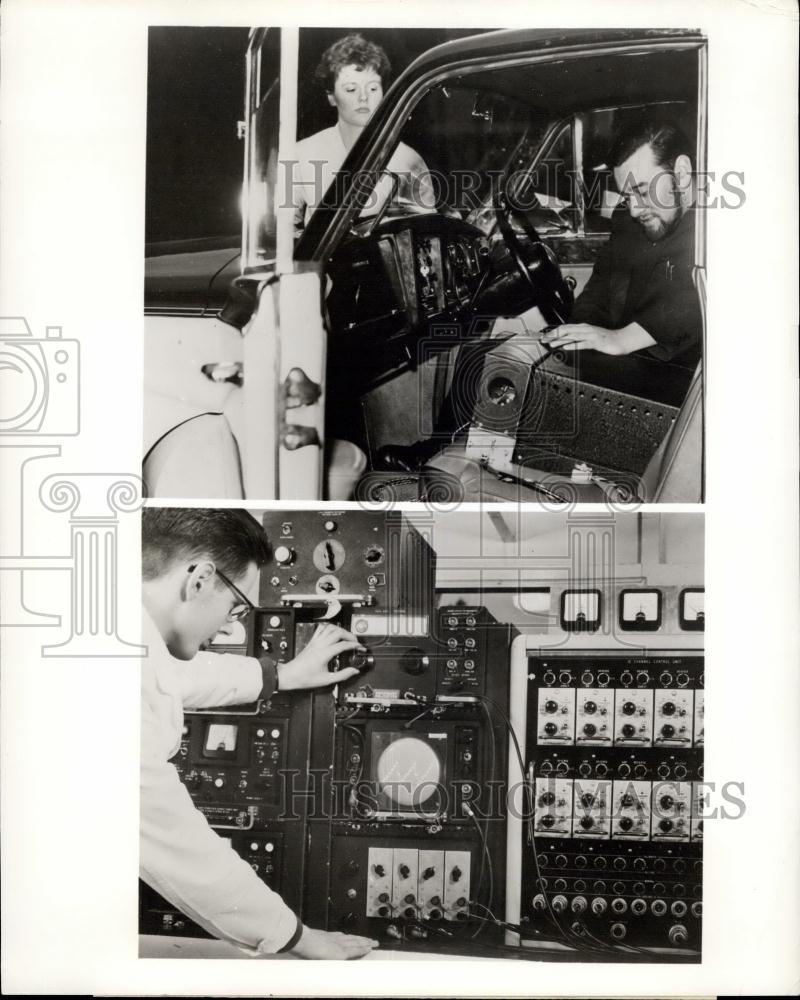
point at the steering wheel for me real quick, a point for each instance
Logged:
(537, 264)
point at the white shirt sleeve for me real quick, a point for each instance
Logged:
(182, 858)
(211, 680)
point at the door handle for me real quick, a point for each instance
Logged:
(224, 371)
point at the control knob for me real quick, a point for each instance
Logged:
(678, 934)
(358, 658)
(284, 556)
(415, 662)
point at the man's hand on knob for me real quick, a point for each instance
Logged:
(309, 669)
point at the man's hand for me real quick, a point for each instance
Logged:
(584, 336)
(309, 669)
(331, 944)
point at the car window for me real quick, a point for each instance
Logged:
(546, 193)
(261, 185)
(596, 130)
(571, 187)
(194, 158)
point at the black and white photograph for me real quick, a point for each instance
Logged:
(459, 734)
(426, 262)
(382, 387)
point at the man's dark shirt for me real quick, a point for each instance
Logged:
(637, 281)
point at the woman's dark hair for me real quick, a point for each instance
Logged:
(663, 136)
(232, 539)
(352, 50)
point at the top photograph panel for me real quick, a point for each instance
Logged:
(425, 265)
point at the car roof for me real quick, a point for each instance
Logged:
(511, 41)
(563, 85)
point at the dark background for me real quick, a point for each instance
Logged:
(195, 96)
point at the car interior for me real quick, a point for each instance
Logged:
(436, 375)
(435, 367)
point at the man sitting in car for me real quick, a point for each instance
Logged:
(640, 296)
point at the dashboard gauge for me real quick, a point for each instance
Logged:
(580, 610)
(329, 556)
(640, 610)
(691, 609)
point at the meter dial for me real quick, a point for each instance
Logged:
(328, 584)
(691, 609)
(580, 610)
(329, 556)
(640, 610)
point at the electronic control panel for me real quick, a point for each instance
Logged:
(263, 851)
(454, 795)
(414, 854)
(359, 558)
(613, 848)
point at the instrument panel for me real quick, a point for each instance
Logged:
(386, 288)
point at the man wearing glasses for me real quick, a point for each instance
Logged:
(640, 296)
(198, 565)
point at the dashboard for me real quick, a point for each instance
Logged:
(387, 288)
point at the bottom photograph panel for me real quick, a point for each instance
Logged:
(460, 734)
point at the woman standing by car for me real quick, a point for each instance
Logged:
(352, 72)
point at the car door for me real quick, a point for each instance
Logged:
(221, 376)
(280, 420)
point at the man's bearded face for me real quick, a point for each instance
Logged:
(650, 192)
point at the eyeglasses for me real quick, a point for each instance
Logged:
(238, 611)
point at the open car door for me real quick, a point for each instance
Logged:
(280, 426)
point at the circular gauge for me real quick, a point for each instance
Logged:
(329, 556)
(407, 771)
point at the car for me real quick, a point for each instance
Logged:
(392, 350)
